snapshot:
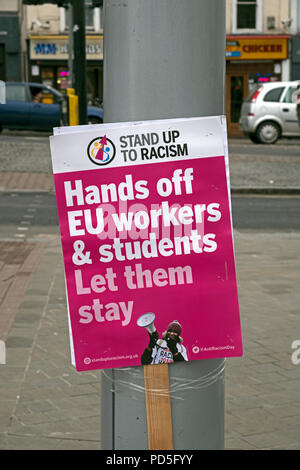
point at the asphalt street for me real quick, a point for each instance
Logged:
(254, 170)
(26, 214)
(284, 147)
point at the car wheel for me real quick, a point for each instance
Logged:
(94, 120)
(268, 132)
(254, 138)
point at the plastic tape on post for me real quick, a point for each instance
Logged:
(130, 378)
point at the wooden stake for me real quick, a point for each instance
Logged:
(158, 407)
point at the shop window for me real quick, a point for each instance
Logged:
(62, 79)
(246, 15)
(274, 95)
(261, 78)
(94, 85)
(47, 75)
(2, 62)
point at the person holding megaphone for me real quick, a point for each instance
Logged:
(166, 350)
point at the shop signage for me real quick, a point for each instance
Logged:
(57, 47)
(266, 47)
(145, 219)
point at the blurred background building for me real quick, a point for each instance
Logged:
(34, 44)
(11, 66)
(47, 38)
(262, 44)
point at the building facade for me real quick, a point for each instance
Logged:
(262, 44)
(10, 41)
(259, 38)
(295, 40)
(49, 47)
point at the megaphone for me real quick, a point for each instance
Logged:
(147, 321)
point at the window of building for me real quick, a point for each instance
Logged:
(246, 15)
(93, 18)
(89, 16)
(2, 62)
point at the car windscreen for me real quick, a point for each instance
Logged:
(15, 93)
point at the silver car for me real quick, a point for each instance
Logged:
(269, 112)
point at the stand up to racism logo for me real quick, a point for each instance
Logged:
(101, 151)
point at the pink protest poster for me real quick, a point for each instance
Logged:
(145, 221)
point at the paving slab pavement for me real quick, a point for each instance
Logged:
(45, 404)
(262, 388)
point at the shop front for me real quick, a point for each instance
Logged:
(49, 63)
(251, 60)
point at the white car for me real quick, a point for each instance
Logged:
(269, 112)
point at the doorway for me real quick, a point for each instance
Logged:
(236, 90)
(2, 62)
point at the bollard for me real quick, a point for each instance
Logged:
(164, 59)
(2, 352)
(73, 114)
(2, 92)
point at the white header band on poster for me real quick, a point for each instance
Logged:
(209, 141)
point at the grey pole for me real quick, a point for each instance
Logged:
(69, 12)
(164, 59)
(79, 68)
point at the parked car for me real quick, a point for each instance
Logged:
(269, 112)
(34, 106)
